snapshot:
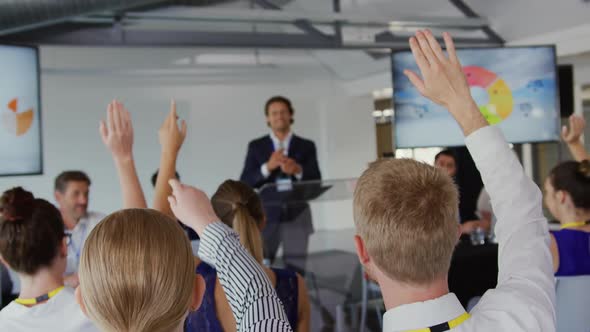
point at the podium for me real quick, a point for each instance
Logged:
(326, 258)
(294, 198)
(307, 191)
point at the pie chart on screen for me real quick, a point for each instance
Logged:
(500, 102)
(17, 123)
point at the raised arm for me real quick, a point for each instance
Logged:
(117, 136)
(572, 136)
(525, 277)
(253, 301)
(171, 138)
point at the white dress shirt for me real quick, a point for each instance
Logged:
(277, 145)
(78, 237)
(60, 313)
(524, 297)
(251, 296)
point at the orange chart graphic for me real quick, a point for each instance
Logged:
(500, 96)
(17, 123)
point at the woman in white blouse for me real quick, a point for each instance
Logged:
(33, 243)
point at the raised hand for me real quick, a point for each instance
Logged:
(576, 129)
(170, 134)
(117, 132)
(572, 137)
(191, 206)
(443, 80)
(117, 135)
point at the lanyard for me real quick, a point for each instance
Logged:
(39, 299)
(445, 326)
(573, 224)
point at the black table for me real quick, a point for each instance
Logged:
(474, 270)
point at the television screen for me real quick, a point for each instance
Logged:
(20, 113)
(515, 89)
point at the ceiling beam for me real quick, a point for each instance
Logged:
(388, 37)
(289, 17)
(99, 35)
(467, 11)
(29, 15)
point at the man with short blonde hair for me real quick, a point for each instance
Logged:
(397, 197)
(405, 213)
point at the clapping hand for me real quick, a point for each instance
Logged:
(290, 167)
(276, 159)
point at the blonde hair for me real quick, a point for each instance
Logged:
(239, 207)
(137, 272)
(406, 213)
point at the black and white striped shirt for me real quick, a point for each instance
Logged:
(252, 298)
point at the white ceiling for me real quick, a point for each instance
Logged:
(515, 20)
(520, 19)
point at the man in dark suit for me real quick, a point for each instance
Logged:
(282, 158)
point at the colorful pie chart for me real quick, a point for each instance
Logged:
(17, 123)
(500, 102)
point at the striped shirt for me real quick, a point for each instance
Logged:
(250, 294)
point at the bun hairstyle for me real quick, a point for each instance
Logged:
(280, 99)
(573, 177)
(239, 207)
(15, 205)
(31, 231)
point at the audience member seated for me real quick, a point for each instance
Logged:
(447, 161)
(72, 193)
(567, 196)
(240, 208)
(148, 246)
(406, 220)
(192, 236)
(33, 243)
(137, 273)
(572, 136)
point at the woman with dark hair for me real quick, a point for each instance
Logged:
(33, 243)
(239, 207)
(567, 196)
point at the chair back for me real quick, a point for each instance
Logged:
(573, 303)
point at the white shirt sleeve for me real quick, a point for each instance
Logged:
(252, 298)
(525, 295)
(483, 203)
(264, 170)
(299, 176)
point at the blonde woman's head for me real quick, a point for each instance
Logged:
(137, 273)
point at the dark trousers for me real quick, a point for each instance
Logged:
(293, 235)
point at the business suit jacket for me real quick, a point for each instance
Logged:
(303, 151)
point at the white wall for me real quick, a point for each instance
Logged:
(221, 120)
